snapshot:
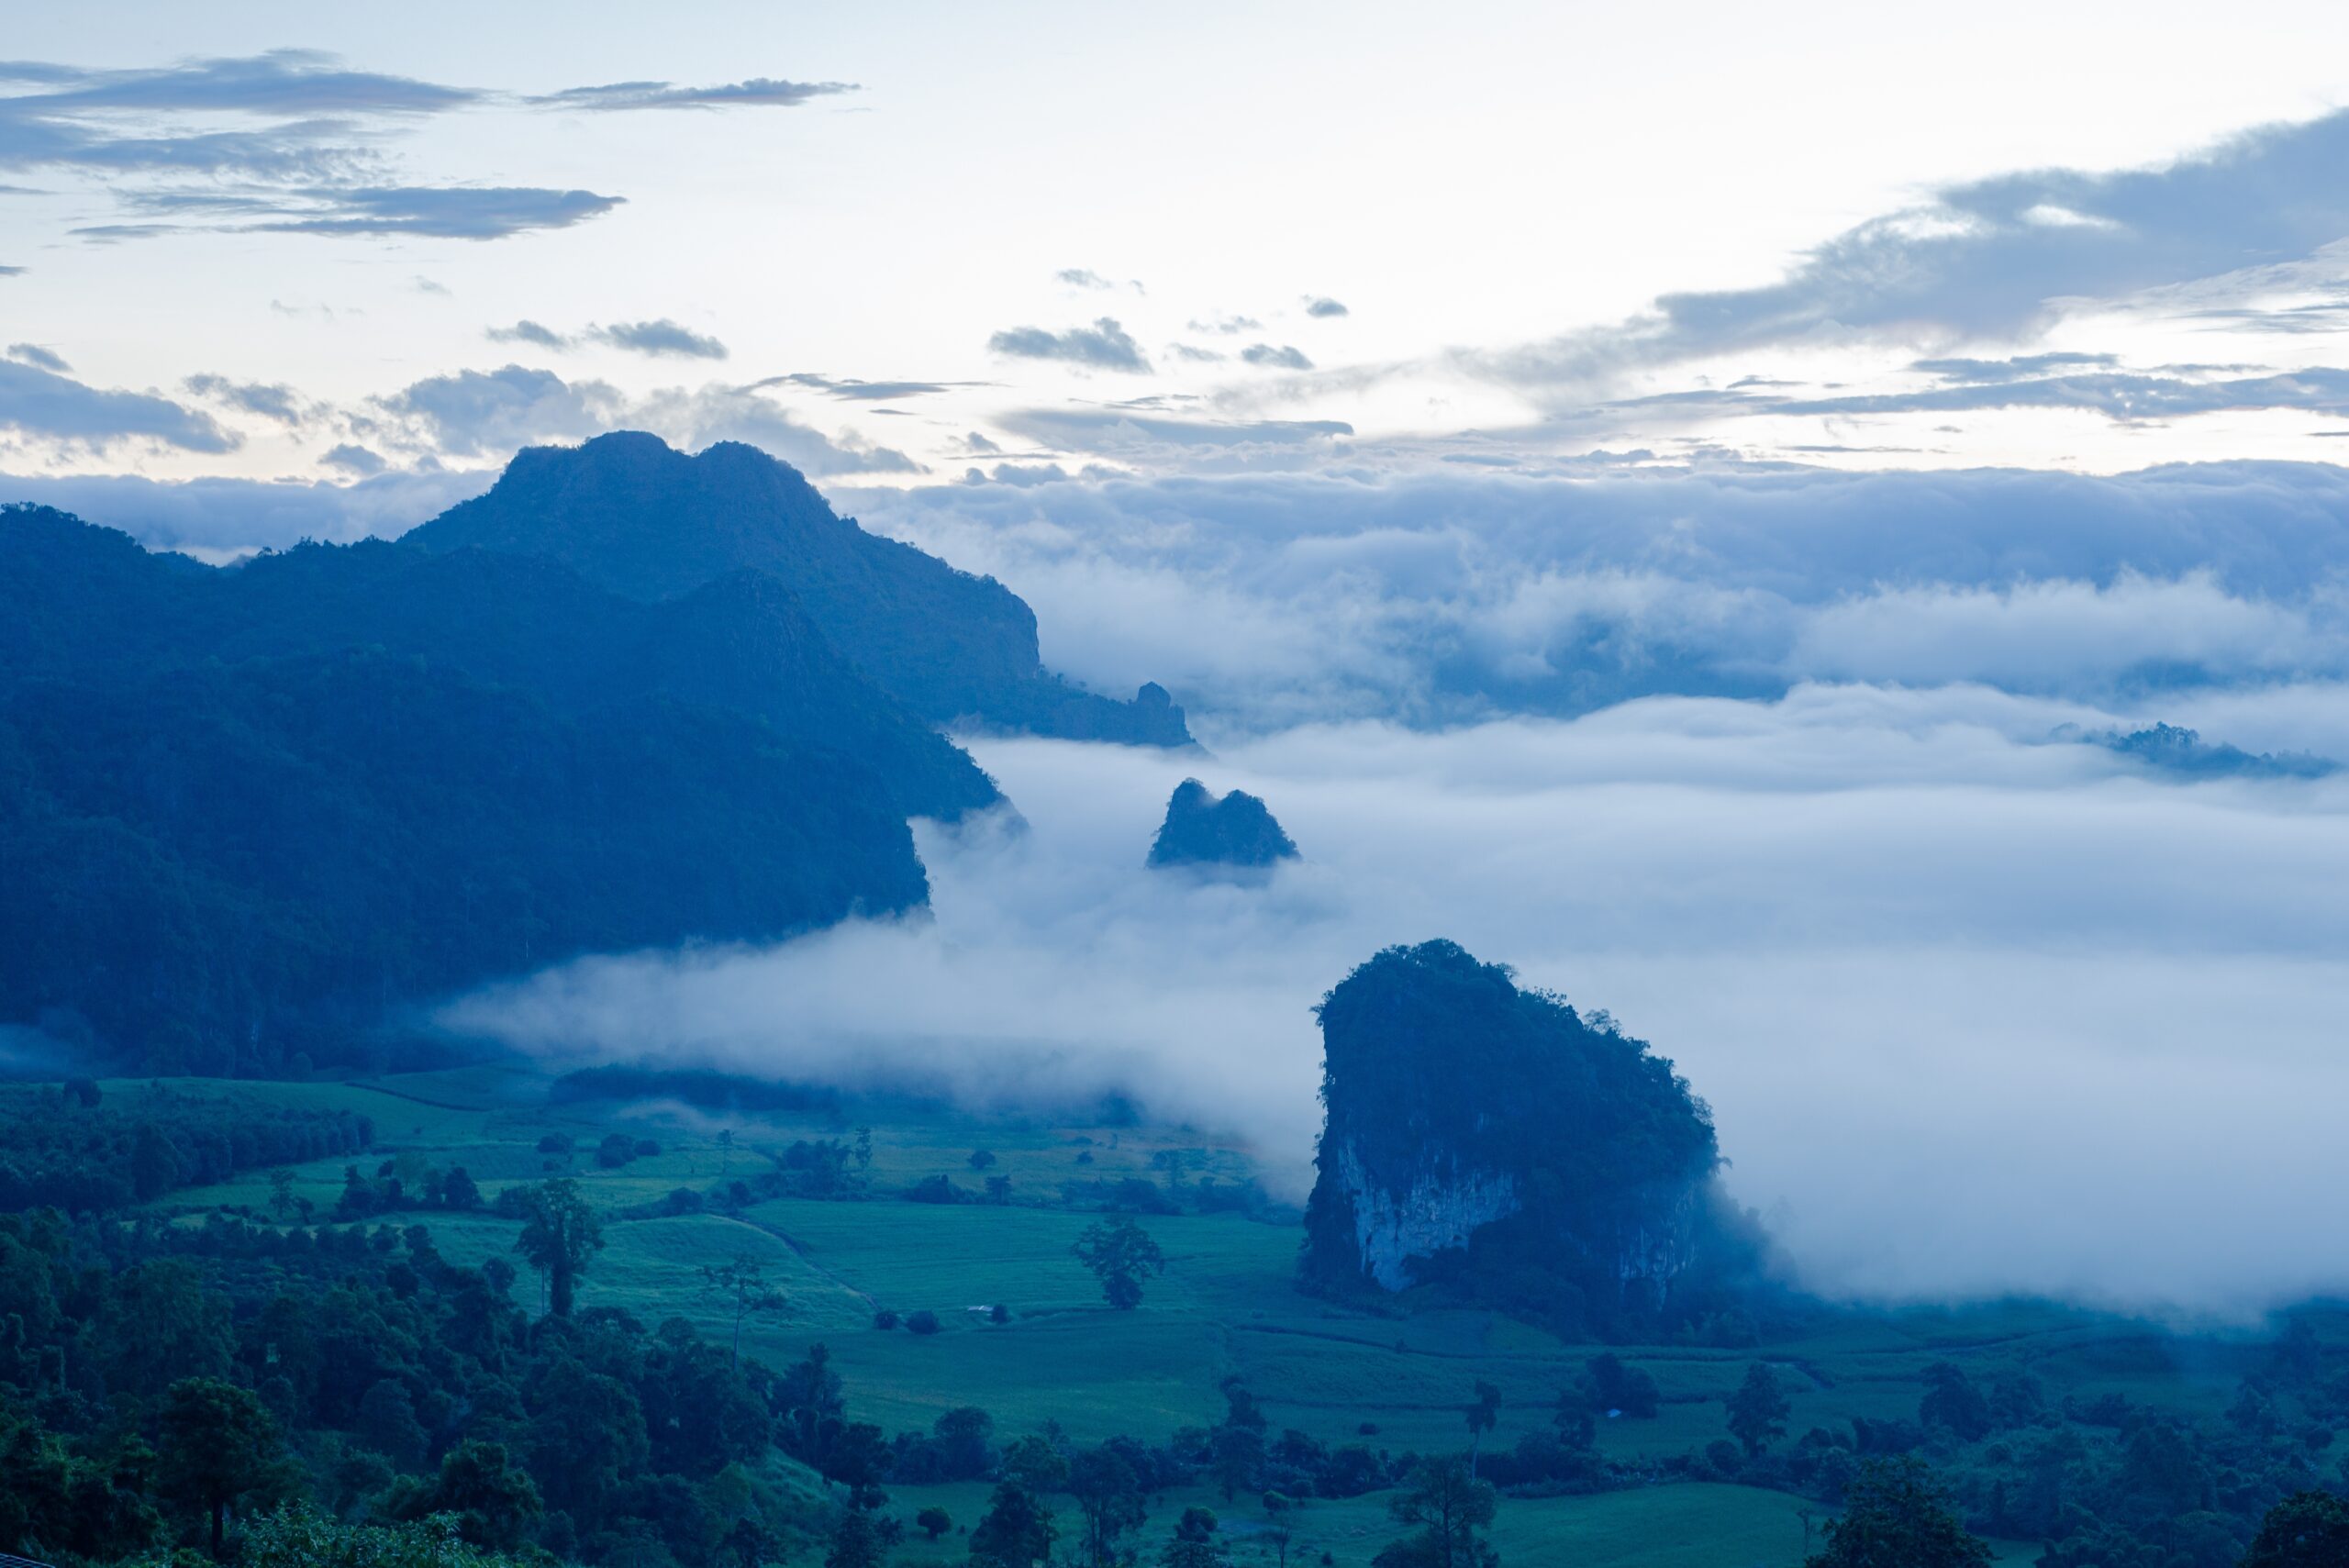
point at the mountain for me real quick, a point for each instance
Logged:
(1493, 1138)
(81, 601)
(248, 813)
(635, 515)
(1205, 829)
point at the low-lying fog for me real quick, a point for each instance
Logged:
(1976, 1012)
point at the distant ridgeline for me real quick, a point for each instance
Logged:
(631, 514)
(1206, 830)
(1492, 1142)
(246, 814)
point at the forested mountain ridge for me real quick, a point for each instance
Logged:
(635, 515)
(249, 814)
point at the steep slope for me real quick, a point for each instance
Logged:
(631, 513)
(1492, 1137)
(220, 866)
(1204, 829)
(248, 812)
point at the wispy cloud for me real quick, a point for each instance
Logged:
(1105, 345)
(1999, 258)
(33, 354)
(660, 338)
(275, 402)
(759, 92)
(54, 407)
(1285, 356)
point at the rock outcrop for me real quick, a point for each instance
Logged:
(1232, 830)
(1479, 1132)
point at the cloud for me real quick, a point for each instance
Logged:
(223, 519)
(467, 212)
(1881, 930)
(33, 354)
(528, 331)
(52, 408)
(1282, 358)
(1227, 326)
(11, 272)
(1267, 598)
(279, 404)
(759, 92)
(1083, 278)
(355, 460)
(854, 391)
(289, 141)
(2126, 396)
(1195, 354)
(1105, 345)
(474, 414)
(660, 338)
(469, 413)
(1983, 259)
(1324, 307)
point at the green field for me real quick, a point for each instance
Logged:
(1225, 1305)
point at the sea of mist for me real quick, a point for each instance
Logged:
(1978, 1009)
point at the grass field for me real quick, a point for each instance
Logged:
(1225, 1305)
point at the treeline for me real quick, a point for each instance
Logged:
(73, 1149)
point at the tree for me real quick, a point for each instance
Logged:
(1018, 1531)
(1237, 1456)
(560, 1234)
(1484, 1414)
(982, 1158)
(1198, 1542)
(490, 1501)
(1120, 1256)
(458, 1191)
(299, 1538)
(740, 1286)
(281, 1193)
(933, 1521)
(1610, 1386)
(1951, 1400)
(2308, 1529)
(1277, 1507)
(1894, 1516)
(1758, 1410)
(1109, 1496)
(1450, 1505)
(856, 1539)
(218, 1443)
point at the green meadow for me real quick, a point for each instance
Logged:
(1226, 1305)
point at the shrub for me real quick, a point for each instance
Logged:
(924, 1322)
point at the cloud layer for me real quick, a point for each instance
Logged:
(2040, 998)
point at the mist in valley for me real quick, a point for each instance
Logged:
(1978, 1009)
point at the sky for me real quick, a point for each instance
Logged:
(1717, 518)
(320, 244)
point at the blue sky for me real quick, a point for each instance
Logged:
(289, 242)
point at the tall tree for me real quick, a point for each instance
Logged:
(1120, 1256)
(1018, 1531)
(218, 1443)
(1450, 1505)
(1484, 1414)
(1758, 1410)
(560, 1234)
(1109, 1496)
(1894, 1515)
(739, 1286)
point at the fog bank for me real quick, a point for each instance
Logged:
(1978, 1012)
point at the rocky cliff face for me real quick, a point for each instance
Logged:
(1489, 1132)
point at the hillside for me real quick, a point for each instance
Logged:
(248, 815)
(635, 515)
